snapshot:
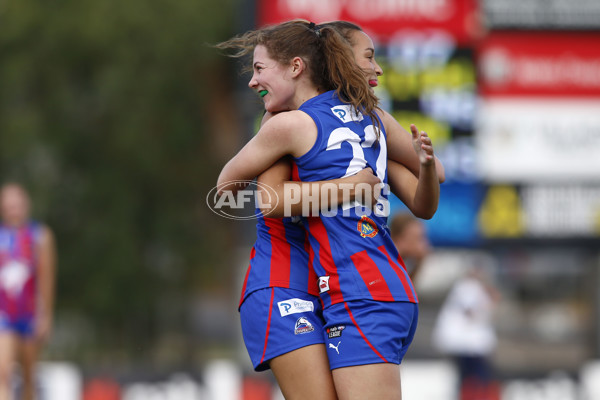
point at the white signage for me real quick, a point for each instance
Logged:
(534, 140)
(561, 211)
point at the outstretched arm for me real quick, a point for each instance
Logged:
(421, 195)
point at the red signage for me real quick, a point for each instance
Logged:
(383, 18)
(540, 64)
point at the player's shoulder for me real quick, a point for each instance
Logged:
(43, 233)
(386, 117)
(290, 116)
(289, 121)
(390, 124)
(293, 130)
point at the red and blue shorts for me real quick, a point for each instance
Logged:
(21, 325)
(364, 332)
(276, 321)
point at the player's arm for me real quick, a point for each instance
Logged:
(421, 195)
(292, 132)
(402, 145)
(308, 198)
(46, 271)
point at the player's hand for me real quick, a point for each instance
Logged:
(367, 179)
(422, 145)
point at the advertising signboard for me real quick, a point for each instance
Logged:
(381, 17)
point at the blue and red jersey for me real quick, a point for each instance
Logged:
(18, 263)
(353, 254)
(280, 257)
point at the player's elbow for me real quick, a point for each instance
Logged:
(426, 216)
(425, 212)
(268, 210)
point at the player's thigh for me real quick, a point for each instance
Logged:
(29, 349)
(7, 352)
(368, 382)
(276, 321)
(304, 374)
(27, 344)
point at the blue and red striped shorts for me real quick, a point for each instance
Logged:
(276, 321)
(361, 332)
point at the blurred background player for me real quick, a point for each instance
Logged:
(465, 331)
(27, 269)
(410, 237)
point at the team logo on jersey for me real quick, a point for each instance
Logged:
(303, 326)
(295, 306)
(367, 227)
(335, 331)
(323, 284)
(347, 113)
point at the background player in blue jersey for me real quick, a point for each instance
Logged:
(27, 265)
(292, 91)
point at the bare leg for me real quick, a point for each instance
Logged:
(29, 352)
(7, 359)
(368, 382)
(304, 374)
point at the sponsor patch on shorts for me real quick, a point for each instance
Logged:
(303, 326)
(335, 331)
(295, 306)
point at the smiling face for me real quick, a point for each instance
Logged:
(364, 54)
(272, 81)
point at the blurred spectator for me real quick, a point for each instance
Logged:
(410, 238)
(27, 268)
(465, 331)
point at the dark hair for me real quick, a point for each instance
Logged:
(345, 29)
(326, 52)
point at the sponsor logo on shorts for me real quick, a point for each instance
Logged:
(335, 347)
(367, 227)
(303, 326)
(295, 306)
(335, 331)
(323, 284)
